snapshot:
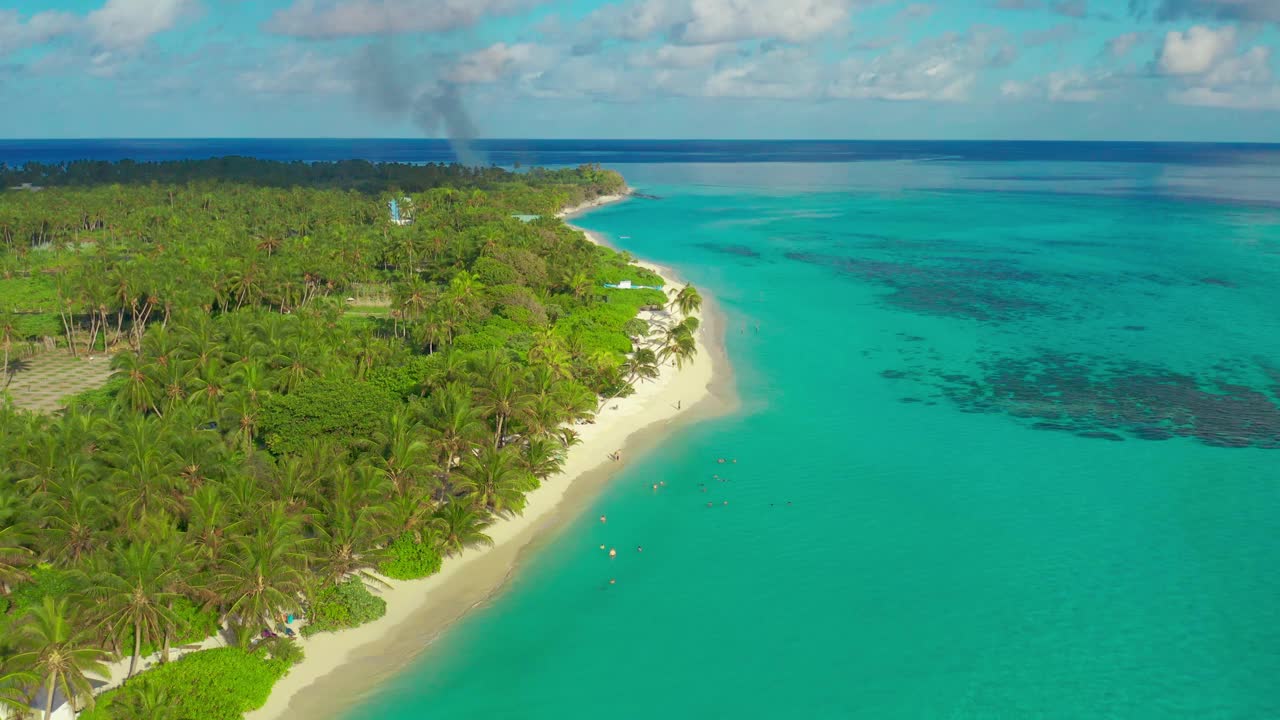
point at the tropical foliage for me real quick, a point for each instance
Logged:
(218, 684)
(304, 396)
(347, 604)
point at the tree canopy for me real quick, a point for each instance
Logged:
(303, 393)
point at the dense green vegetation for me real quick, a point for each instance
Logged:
(347, 604)
(217, 684)
(260, 451)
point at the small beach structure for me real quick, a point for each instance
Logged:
(526, 218)
(626, 285)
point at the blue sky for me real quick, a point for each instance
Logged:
(1017, 69)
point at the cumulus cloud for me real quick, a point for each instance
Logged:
(584, 77)
(782, 73)
(717, 21)
(127, 24)
(346, 18)
(1209, 71)
(1074, 85)
(15, 34)
(941, 69)
(1196, 50)
(499, 61)
(1243, 81)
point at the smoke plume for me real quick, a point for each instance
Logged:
(386, 84)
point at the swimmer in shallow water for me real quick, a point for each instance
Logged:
(603, 518)
(613, 552)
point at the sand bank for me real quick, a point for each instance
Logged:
(342, 667)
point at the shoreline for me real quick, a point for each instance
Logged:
(342, 668)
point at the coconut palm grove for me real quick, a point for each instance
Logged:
(305, 399)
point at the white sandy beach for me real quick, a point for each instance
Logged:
(339, 667)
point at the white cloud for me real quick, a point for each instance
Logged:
(1196, 50)
(1119, 46)
(792, 20)
(39, 28)
(580, 77)
(681, 56)
(128, 24)
(1017, 90)
(783, 73)
(296, 72)
(942, 69)
(696, 22)
(1255, 99)
(498, 61)
(1210, 73)
(343, 18)
(1244, 81)
(1074, 86)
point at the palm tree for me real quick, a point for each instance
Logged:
(642, 365)
(14, 684)
(14, 556)
(455, 426)
(346, 544)
(73, 528)
(135, 596)
(404, 452)
(688, 301)
(60, 654)
(541, 457)
(261, 577)
(495, 479)
(7, 332)
(460, 526)
(502, 396)
(678, 343)
(144, 701)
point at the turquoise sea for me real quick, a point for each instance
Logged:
(1009, 447)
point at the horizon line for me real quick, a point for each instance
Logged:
(647, 140)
